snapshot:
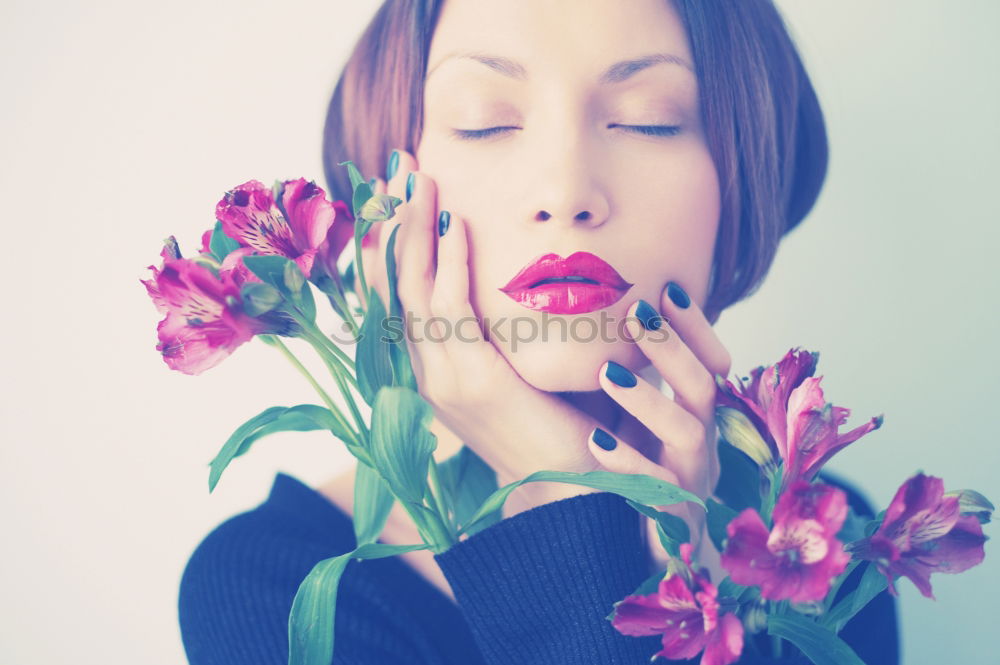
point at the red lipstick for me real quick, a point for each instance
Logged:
(582, 282)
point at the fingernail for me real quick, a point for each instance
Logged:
(409, 185)
(649, 317)
(390, 169)
(603, 439)
(619, 375)
(444, 221)
(677, 295)
(371, 183)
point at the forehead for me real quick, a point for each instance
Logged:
(525, 40)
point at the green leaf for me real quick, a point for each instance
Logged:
(640, 488)
(401, 444)
(220, 244)
(739, 478)
(820, 645)
(270, 269)
(353, 173)
(300, 418)
(362, 192)
(259, 298)
(374, 366)
(729, 588)
(402, 370)
(672, 530)
(372, 504)
(872, 584)
(311, 621)
(231, 448)
(718, 517)
(467, 481)
(303, 299)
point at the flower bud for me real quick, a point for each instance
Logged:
(971, 502)
(737, 429)
(379, 207)
(755, 616)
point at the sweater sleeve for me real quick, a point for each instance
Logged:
(237, 590)
(537, 587)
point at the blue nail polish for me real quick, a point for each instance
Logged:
(390, 169)
(649, 317)
(677, 295)
(371, 183)
(409, 186)
(619, 375)
(444, 221)
(603, 439)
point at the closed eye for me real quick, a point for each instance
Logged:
(647, 130)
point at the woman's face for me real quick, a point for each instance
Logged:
(569, 174)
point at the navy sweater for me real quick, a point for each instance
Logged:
(533, 588)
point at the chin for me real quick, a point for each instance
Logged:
(560, 366)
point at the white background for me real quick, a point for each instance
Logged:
(123, 122)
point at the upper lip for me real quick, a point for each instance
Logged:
(578, 264)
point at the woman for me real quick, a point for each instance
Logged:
(586, 187)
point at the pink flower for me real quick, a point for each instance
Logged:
(923, 532)
(204, 319)
(685, 610)
(341, 233)
(784, 407)
(295, 226)
(800, 556)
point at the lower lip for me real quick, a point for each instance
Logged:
(567, 297)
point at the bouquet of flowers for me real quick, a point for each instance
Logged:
(795, 540)
(257, 275)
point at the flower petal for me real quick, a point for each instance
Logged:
(725, 644)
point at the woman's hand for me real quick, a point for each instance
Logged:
(479, 396)
(687, 357)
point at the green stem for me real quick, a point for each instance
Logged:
(310, 330)
(776, 646)
(438, 505)
(828, 603)
(319, 389)
(349, 398)
(359, 266)
(341, 302)
(339, 373)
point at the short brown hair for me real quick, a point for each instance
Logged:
(762, 120)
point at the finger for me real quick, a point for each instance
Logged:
(681, 433)
(693, 385)
(417, 241)
(688, 319)
(623, 458)
(463, 340)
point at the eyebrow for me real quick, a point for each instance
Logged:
(616, 73)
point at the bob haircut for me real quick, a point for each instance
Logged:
(763, 123)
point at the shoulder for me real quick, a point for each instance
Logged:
(237, 587)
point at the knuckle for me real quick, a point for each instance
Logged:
(703, 389)
(724, 363)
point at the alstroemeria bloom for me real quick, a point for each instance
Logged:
(800, 556)
(923, 532)
(293, 227)
(337, 238)
(789, 416)
(685, 610)
(204, 320)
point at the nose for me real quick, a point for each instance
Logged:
(567, 190)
